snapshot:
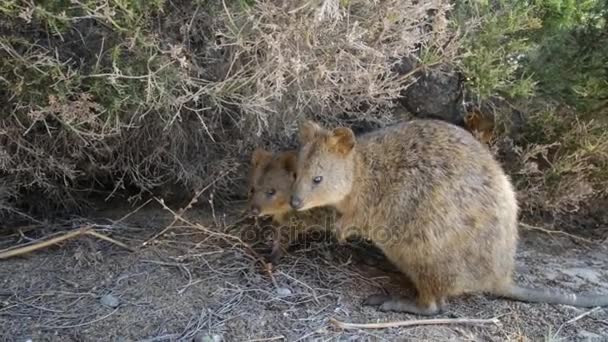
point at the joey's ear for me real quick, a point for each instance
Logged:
(341, 140)
(290, 162)
(259, 156)
(308, 130)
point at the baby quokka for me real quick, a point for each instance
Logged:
(432, 198)
(270, 181)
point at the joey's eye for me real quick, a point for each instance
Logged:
(317, 179)
(271, 192)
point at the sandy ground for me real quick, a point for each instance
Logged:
(189, 285)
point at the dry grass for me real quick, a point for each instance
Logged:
(201, 279)
(327, 59)
(116, 98)
(130, 99)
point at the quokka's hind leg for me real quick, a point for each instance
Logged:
(378, 299)
(422, 306)
(430, 299)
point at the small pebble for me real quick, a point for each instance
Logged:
(110, 301)
(283, 291)
(207, 338)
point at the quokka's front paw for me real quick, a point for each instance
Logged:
(341, 230)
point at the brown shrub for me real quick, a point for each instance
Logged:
(108, 98)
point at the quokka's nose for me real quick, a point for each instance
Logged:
(295, 202)
(255, 210)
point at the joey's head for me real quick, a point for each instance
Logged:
(270, 181)
(325, 172)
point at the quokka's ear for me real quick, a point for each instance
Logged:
(289, 160)
(259, 156)
(308, 131)
(341, 140)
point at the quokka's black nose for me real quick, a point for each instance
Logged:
(295, 202)
(255, 210)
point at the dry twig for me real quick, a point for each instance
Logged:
(87, 230)
(413, 322)
(226, 237)
(570, 321)
(555, 232)
(180, 212)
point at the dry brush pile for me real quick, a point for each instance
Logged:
(114, 96)
(104, 98)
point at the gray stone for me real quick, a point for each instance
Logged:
(204, 337)
(110, 301)
(283, 291)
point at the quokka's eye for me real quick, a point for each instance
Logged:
(317, 179)
(271, 192)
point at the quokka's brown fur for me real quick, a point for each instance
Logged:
(270, 181)
(434, 200)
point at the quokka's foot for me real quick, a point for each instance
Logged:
(376, 299)
(397, 304)
(275, 257)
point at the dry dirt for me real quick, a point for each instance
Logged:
(189, 285)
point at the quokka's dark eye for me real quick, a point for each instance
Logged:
(271, 192)
(317, 179)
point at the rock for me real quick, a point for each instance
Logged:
(283, 291)
(204, 337)
(110, 301)
(437, 93)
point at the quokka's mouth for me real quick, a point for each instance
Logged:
(303, 207)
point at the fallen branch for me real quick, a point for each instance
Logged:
(109, 239)
(413, 322)
(556, 232)
(15, 251)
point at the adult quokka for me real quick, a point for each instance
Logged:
(434, 200)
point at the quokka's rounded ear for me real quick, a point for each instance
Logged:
(341, 140)
(290, 161)
(308, 130)
(260, 155)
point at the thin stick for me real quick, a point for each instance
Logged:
(551, 232)
(81, 324)
(583, 315)
(180, 212)
(413, 322)
(15, 251)
(267, 339)
(134, 211)
(27, 249)
(109, 239)
(570, 321)
(224, 236)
